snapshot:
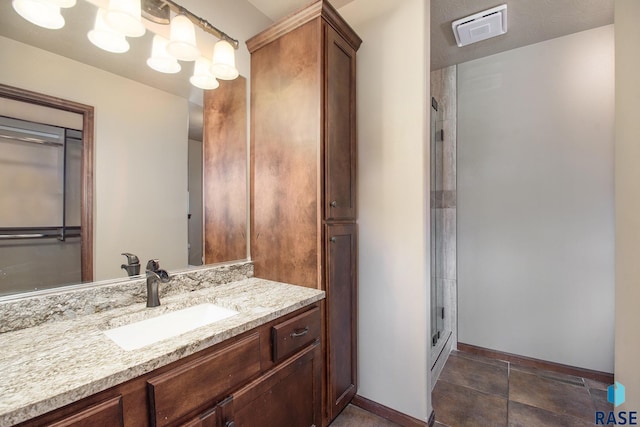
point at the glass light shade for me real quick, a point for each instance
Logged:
(202, 76)
(224, 61)
(105, 37)
(124, 16)
(182, 44)
(43, 13)
(160, 59)
(64, 3)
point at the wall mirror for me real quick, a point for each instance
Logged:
(147, 189)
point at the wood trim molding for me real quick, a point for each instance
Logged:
(530, 362)
(87, 113)
(390, 414)
(332, 16)
(319, 8)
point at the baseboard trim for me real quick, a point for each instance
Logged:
(530, 362)
(389, 414)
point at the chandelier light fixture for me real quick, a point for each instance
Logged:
(123, 18)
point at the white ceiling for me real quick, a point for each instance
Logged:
(529, 21)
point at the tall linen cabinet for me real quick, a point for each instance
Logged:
(303, 175)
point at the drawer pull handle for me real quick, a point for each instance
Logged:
(300, 332)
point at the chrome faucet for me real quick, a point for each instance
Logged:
(154, 276)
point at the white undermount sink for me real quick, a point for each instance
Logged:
(145, 332)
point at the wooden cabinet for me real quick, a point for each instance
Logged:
(220, 415)
(225, 172)
(340, 128)
(267, 377)
(289, 396)
(204, 379)
(294, 334)
(303, 174)
(341, 303)
(107, 413)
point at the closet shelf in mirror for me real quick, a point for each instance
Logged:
(61, 233)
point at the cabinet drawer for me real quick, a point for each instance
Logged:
(188, 387)
(290, 336)
(107, 413)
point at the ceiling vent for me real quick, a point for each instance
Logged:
(480, 26)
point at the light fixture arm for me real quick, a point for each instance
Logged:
(201, 22)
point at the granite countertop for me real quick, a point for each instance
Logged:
(45, 367)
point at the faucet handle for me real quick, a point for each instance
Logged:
(131, 258)
(132, 266)
(153, 265)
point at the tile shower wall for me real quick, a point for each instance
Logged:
(443, 89)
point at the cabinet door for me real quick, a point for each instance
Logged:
(341, 301)
(287, 396)
(340, 130)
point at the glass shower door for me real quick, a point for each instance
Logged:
(436, 227)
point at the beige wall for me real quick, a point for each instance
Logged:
(535, 200)
(140, 155)
(627, 178)
(393, 169)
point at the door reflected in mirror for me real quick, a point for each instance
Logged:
(45, 191)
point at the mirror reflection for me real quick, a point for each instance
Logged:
(147, 189)
(40, 199)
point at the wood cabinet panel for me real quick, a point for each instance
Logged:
(285, 106)
(342, 315)
(288, 396)
(292, 335)
(340, 113)
(203, 380)
(107, 413)
(225, 172)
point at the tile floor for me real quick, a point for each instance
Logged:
(480, 392)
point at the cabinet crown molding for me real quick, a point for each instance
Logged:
(318, 9)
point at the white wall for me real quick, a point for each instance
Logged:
(627, 200)
(535, 200)
(140, 155)
(393, 168)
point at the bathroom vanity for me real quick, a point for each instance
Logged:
(260, 367)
